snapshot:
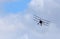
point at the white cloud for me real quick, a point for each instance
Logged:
(43, 6)
(46, 6)
(37, 4)
(10, 25)
(52, 33)
(28, 17)
(43, 3)
(25, 36)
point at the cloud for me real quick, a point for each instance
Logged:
(43, 6)
(37, 3)
(10, 25)
(25, 36)
(27, 17)
(49, 10)
(52, 33)
(15, 26)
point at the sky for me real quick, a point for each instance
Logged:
(16, 19)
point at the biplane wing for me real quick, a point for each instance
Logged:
(40, 21)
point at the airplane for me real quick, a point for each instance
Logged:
(40, 21)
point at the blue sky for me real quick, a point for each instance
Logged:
(14, 7)
(16, 19)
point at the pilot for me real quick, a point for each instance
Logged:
(41, 22)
